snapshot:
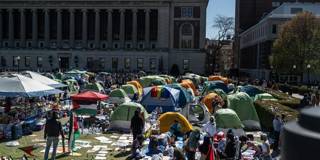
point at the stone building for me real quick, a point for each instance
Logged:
(108, 35)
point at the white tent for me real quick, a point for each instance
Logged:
(19, 85)
(198, 114)
(43, 79)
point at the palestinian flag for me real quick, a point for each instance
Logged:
(74, 132)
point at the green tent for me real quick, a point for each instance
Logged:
(130, 90)
(243, 105)
(94, 87)
(72, 85)
(264, 96)
(120, 119)
(59, 75)
(148, 81)
(227, 118)
(118, 96)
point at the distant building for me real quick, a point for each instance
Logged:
(256, 42)
(108, 35)
(221, 61)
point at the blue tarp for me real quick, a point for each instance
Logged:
(211, 85)
(167, 104)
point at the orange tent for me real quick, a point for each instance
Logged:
(137, 85)
(219, 78)
(211, 97)
(186, 83)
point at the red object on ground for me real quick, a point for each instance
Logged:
(28, 149)
(89, 96)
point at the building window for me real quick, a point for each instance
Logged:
(140, 63)
(153, 46)
(187, 12)
(89, 62)
(186, 64)
(126, 63)
(115, 46)
(153, 63)
(17, 44)
(91, 46)
(41, 45)
(103, 46)
(102, 62)
(114, 63)
(140, 46)
(27, 61)
(6, 44)
(16, 60)
(29, 44)
(128, 46)
(186, 32)
(39, 61)
(3, 61)
(296, 10)
(274, 29)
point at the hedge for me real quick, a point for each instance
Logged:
(285, 99)
(268, 109)
(294, 89)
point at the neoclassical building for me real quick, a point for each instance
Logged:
(108, 35)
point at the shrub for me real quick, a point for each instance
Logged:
(268, 109)
(285, 99)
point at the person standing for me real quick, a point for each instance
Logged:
(53, 129)
(137, 124)
(276, 128)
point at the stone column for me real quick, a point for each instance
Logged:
(110, 28)
(84, 28)
(34, 28)
(46, 27)
(147, 33)
(97, 28)
(134, 28)
(71, 36)
(22, 28)
(10, 27)
(122, 23)
(59, 28)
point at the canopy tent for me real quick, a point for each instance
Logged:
(86, 102)
(184, 96)
(94, 87)
(252, 91)
(264, 96)
(148, 81)
(137, 85)
(196, 113)
(120, 119)
(130, 89)
(211, 98)
(227, 118)
(20, 86)
(160, 96)
(225, 80)
(43, 79)
(212, 85)
(118, 96)
(243, 105)
(167, 119)
(186, 83)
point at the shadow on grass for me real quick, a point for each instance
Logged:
(122, 154)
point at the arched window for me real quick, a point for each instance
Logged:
(186, 36)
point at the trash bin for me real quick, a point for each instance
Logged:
(301, 139)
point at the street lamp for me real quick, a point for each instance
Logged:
(18, 61)
(59, 64)
(308, 68)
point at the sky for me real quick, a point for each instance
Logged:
(218, 7)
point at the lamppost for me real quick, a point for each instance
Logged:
(308, 68)
(59, 64)
(294, 68)
(18, 61)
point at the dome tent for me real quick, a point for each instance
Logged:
(210, 98)
(252, 91)
(148, 81)
(167, 119)
(227, 118)
(159, 96)
(243, 105)
(121, 118)
(225, 80)
(138, 86)
(212, 85)
(130, 89)
(118, 96)
(184, 96)
(264, 96)
(94, 87)
(186, 83)
(198, 114)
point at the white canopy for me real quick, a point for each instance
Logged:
(19, 85)
(45, 80)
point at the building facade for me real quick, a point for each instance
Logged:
(256, 42)
(108, 35)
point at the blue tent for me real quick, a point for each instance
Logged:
(160, 96)
(211, 85)
(184, 96)
(252, 91)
